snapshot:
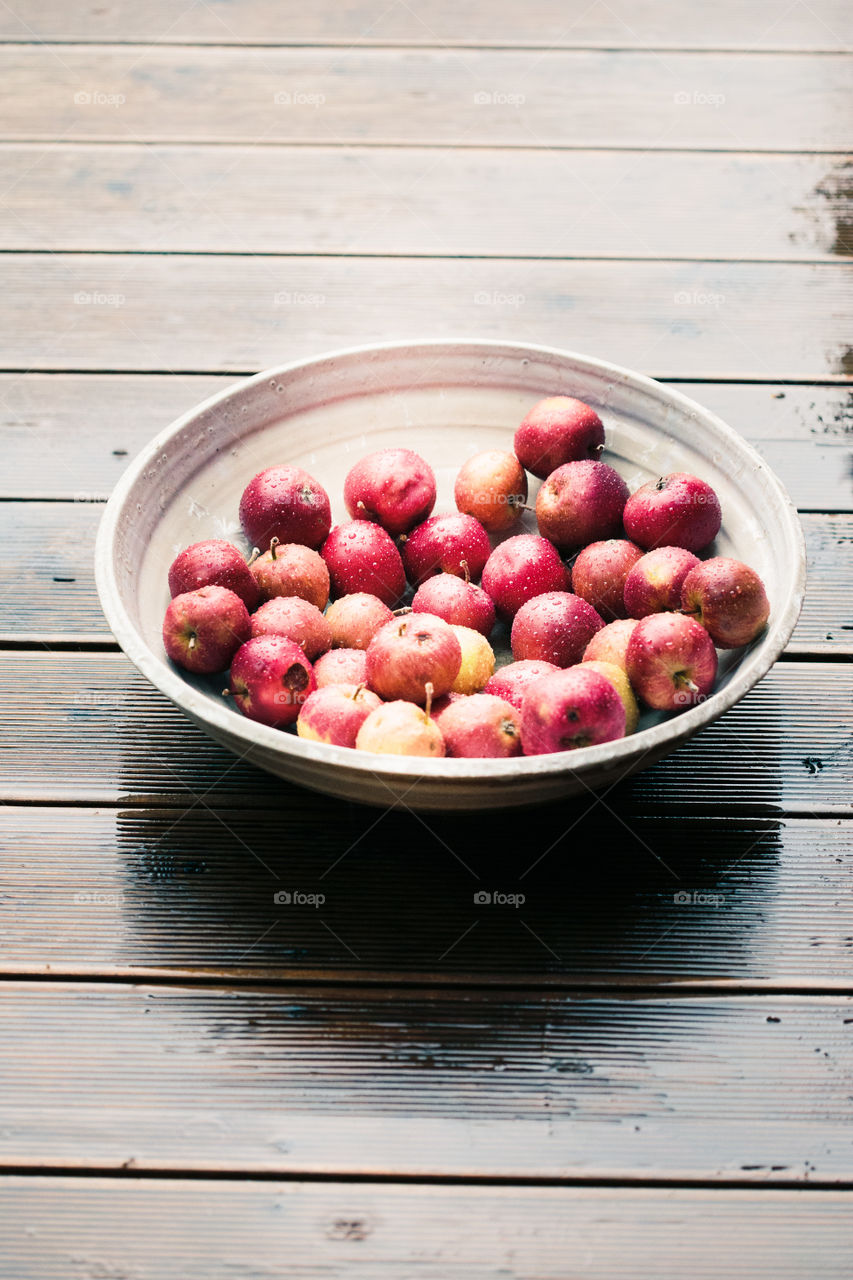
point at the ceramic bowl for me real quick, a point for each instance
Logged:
(445, 400)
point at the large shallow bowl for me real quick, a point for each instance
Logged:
(446, 401)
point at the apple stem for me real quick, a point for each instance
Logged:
(273, 545)
(684, 680)
(256, 551)
(359, 688)
(407, 608)
(191, 644)
(226, 693)
(429, 692)
(463, 564)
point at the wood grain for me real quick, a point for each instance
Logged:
(96, 312)
(551, 98)
(71, 435)
(659, 24)
(177, 1229)
(459, 1084)
(88, 729)
(47, 586)
(132, 893)
(431, 202)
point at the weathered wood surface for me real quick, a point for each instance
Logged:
(71, 435)
(178, 313)
(456, 1084)
(47, 587)
(177, 1229)
(427, 202)
(657, 24)
(191, 895)
(552, 98)
(87, 728)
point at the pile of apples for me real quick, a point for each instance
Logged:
(608, 605)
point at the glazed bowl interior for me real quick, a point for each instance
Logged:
(446, 401)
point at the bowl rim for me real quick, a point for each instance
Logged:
(223, 720)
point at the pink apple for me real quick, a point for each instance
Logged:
(671, 661)
(678, 510)
(480, 726)
(554, 627)
(521, 568)
(599, 574)
(213, 563)
(355, 619)
(478, 660)
(619, 679)
(570, 709)
(402, 729)
(292, 569)
(393, 487)
(362, 557)
(411, 652)
(341, 666)
(203, 629)
(654, 583)
(336, 713)
(297, 619)
(512, 681)
(728, 599)
(556, 431)
(270, 679)
(456, 544)
(493, 487)
(581, 502)
(611, 642)
(285, 503)
(457, 601)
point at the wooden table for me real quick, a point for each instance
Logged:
(198, 1083)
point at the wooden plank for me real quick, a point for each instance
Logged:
(140, 892)
(429, 202)
(553, 98)
(464, 1084)
(47, 586)
(71, 435)
(177, 1229)
(95, 312)
(658, 24)
(87, 728)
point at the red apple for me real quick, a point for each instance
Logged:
(512, 681)
(610, 643)
(521, 568)
(355, 619)
(493, 487)
(581, 502)
(619, 679)
(457, 601)
(203, 629)
(270, 679)
(671, 661)
(295, 618)
(213, 563)
(393, 487)
(599, 574)
(728, 599)
(556, 431)
(554, 627)
(480, 726)
(568, 710)
(336, 713)
(402, 729)
(292, 569)
(446, 544)
(654, 583)
(341, 666)
(285, 503)
(678, 510)
(411, 652)
(362, 557)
